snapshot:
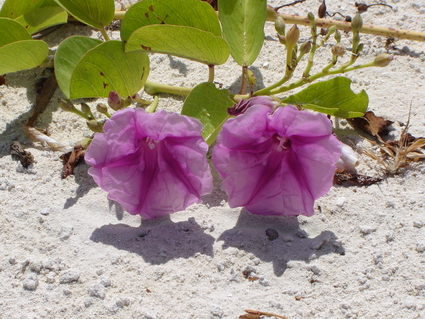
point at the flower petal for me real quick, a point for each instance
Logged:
(153, 164)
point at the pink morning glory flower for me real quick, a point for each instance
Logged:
(153, 164)
(276, 163)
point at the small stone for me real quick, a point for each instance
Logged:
(31, 283)
(340, 201)
(88, 302)
(272, 234)
(67, 292)
(99, 272)
(98, 291)
(216, 311)
(12, 260)
(220, 266)
(418, 223)
(45, 212)
(264, 281)
(143, 233)
(69, 276)
(105, 281)
(420, 247)
(302, 233)
(65, 232)
(36, 267)
(365, 230)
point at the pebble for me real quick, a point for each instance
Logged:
(217, 311)
(69, 276)
(106, 281)
(98, 291)
(418, 223)
(420, 247)
(365, 230)
(65, 232)
(340, 201)
(302, 233)
(12, 260)
(31, 283)
(264, 281)
(272, 234)
(45, 211)
(220, 266)
(88, 302)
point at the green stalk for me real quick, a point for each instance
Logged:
(154, 105)
(105, 34)
(211, 73)
(153, 88)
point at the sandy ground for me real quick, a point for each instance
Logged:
(68, 252)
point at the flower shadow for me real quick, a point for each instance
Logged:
(293, 242)
(182, 240)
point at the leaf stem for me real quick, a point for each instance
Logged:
(105, 34)
(244, 80)
(154, 105)
(346, 26)
(153, 88)
(211, 73)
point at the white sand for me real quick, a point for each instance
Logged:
(362, 255)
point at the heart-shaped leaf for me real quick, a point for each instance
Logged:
(209, 105)
(95, 13)
(181, 41)
(333, 97)
(15, 8)
(69, 52)
(17, 49)
(100, 69)
(190, 13)
(43, 18)
(243, 28)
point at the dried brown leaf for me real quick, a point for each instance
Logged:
(18, 153)
(371, 124)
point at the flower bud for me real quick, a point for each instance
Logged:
(359, 48)
(279, 25)
(87, 111)
(102, 108)
(85, 143)
(95, 126)
(310, 17)
(66, 105)
(357, 23)
(114, 101)
(331, 30)
(292, 36)
(338, 49)
(305, 47)
(322, 10)
(383, 59)
(282, 39)
(337, 36)
(243, 105)
(348, 159)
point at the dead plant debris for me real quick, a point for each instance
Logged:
(354, 178)
(72, 159)
(371, 124)
(254, 314)
(19, 154)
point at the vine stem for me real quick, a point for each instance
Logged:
(346, 26)
(326, 23)
(105, 34)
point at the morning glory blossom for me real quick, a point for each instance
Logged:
(276, 163)
(153, 164)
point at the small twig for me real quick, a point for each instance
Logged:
(289, 4)
(258, 314)
(362, 7)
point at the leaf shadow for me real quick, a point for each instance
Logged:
(183, 239)
(293, 243)
(235, 86)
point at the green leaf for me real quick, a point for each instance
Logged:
(17, 50)
(333, 97)
(243, 27)
(43, 18)
(15, 8)
(209, 105)
(181, 41)
(101, 69)
(95, 13)
(190, 13)
(67, 56)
